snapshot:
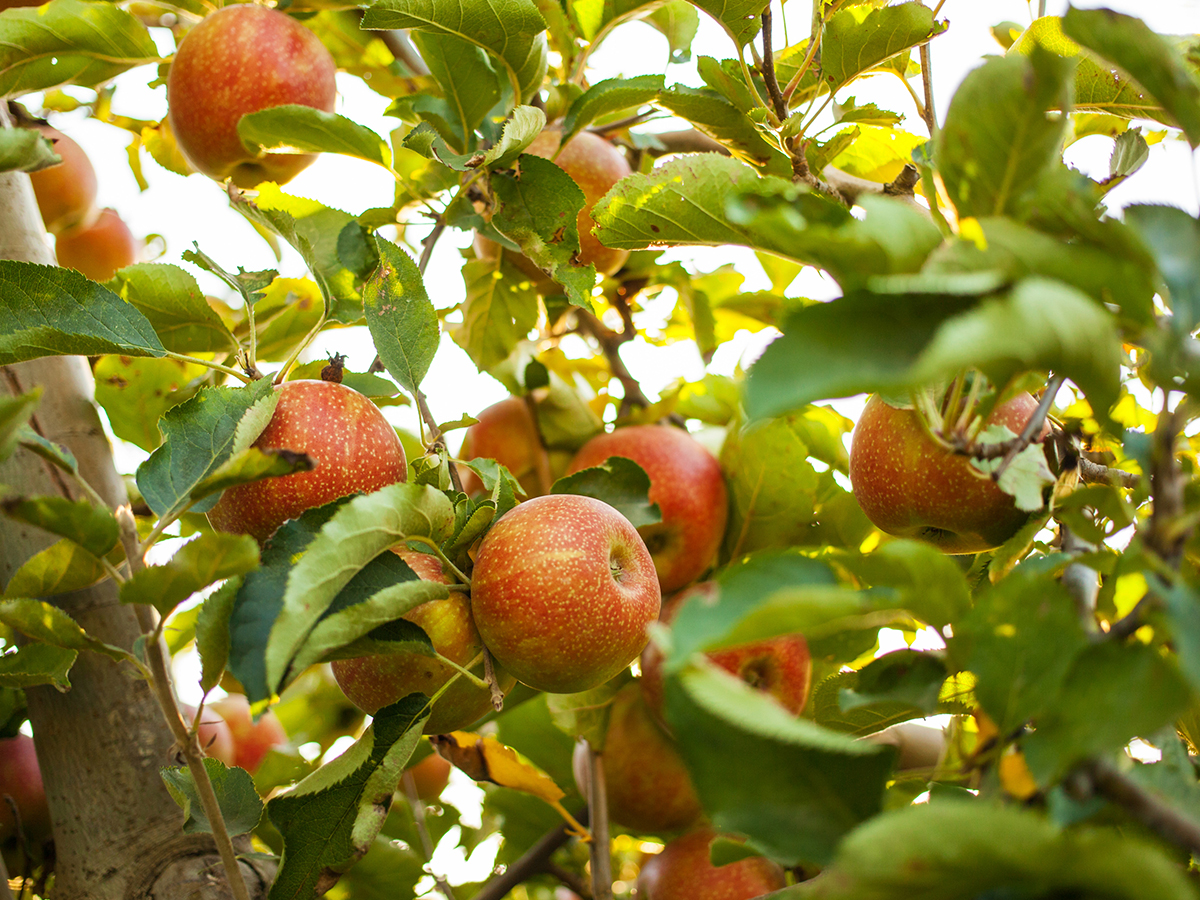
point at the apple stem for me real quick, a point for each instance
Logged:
(601, 851)
(465, 671)
(489, 670)
(437, 551)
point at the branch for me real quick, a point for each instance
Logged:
(418, 810)
(1095, 473)
(534, 861)
(927, 81)
(768, 68)
(1032, 427)
(1102, 778)
(600, 848)
(404, 52)
(610, 342)
(1164, 536)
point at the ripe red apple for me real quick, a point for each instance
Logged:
(354, 447)
(780, 666)
(430, 777)
(562, 592)
(686, 483)
(21, 779)
(373, 682)
(99, 250)
(506, 432)
(239, 60)
(646, 782)
(683, 872)
(910, 487)
(216, 740)
(66, 193)
(251, 740)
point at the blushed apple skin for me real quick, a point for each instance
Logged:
(354, 446)
(682, 871)
(66, 193)
(507, 433)
(687, 484)
(373, 682)
(430, 777)
(648, 787)
(562, 592)
(99, 250)
(910, 487)
(21, 779)
(239, 60)
(251, 740)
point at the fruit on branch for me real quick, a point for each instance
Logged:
(430, 777)
(910, 486)
(251, 740)
(373, 682)
(682, 871)
(21, 779)
(99, 250)
(562, 592)
(66, 193)
(354, 447)
(506, 432)
(686, 483)
(646, 782)
(780, 666)
(239, 60)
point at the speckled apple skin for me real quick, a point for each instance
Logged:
(239, 60)
(507, 433)
(910, 487)
(648, 787)
(355, 449)
(683, 872)
(66, 193)
(686, 483)
(562, 591)
(373, 682)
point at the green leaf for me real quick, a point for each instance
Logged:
(998, 138)
(1026, 475)
(1130, 153)
(47, 623)
(93, 529)
(252, 464)
(36, 664)
(25, 150)
(135, 392)
(240, 805)
(511, 30)
(903, 676)
(609, 96)
(402, 320)
(595, 19)
(852, 44)
(50, 311)
(467, 78)
(206, 559)
(212, 633)
(15, 413)
(170, 298)
(55, 454)
(716, 117)
(927, 582)
(678, 23)
(585, 714)
(302, 129)
(69, 42)
(62, 567)
(619, 482)
(330, 819)
(739, 18)
(500, 309)
(1172, 238)
(249, 285)
(826, 710)
(525, 124)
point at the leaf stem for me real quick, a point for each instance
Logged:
(209, 364)
(758, 100)
(465, 670)
(440, 554)
(768, 67)
(308, 339)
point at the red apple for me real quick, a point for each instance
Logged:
(683, 872)
(430, 777)
(686, 483)
(911, 487)
(99, 250)
(216, 740)
(251, 740)
(355, 449)
(239, 60)
(21, 779)
(506, 432)
(646, 782)
(562, 592)
(373, 682)
(66, 193)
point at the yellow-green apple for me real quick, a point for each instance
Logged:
(686, 483)
(911, 487)
(646, 783)
(99, 250)
(430, 776)
(239, 60)
(21, 779)
(354, 447)
(66, 193)
(506, 432)
(562, 592)
(251, 739)
(373, 682)
(683, 872)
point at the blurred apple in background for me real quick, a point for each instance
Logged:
(506, 432)
(66, 193)
(100, 250)
(251, 739)
(430, 777)
(683, 872)
(21, 779)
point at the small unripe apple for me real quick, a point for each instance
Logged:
(646, 783)
(99, 250)
(683, 872)
(562, 592)
(373, 682)
(239, 60)
(911, 487)
(251, 740)
(430, 777)
(353, 445)
(507, 433)
(66, 193)
(687, 484)
(21, 779)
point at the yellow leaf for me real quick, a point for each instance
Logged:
(1015, 777)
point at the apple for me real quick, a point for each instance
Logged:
(354, 447)
(66, 193)
(911, 487)
(686, 483)
(239, 60)
(562, 591)
(430, 777)
(216, 740)
(21, 779)
(506, 432)
(646, 782)
(682, 871)
(251, 740)
(99, 250)
(780, 666)
(373, 682)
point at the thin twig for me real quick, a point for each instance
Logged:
(428, 243)
(627, 122)
(489, 673)
(1032, 427)
(1166, 487)
(418, 810)
(436, 439)
(768, 67)
(610, 343)
(927, 81)
(1102, 778)
(572, 881)
(532, 863)
(1095, 473)
(600, 848)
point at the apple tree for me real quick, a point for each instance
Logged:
(1040, 565)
